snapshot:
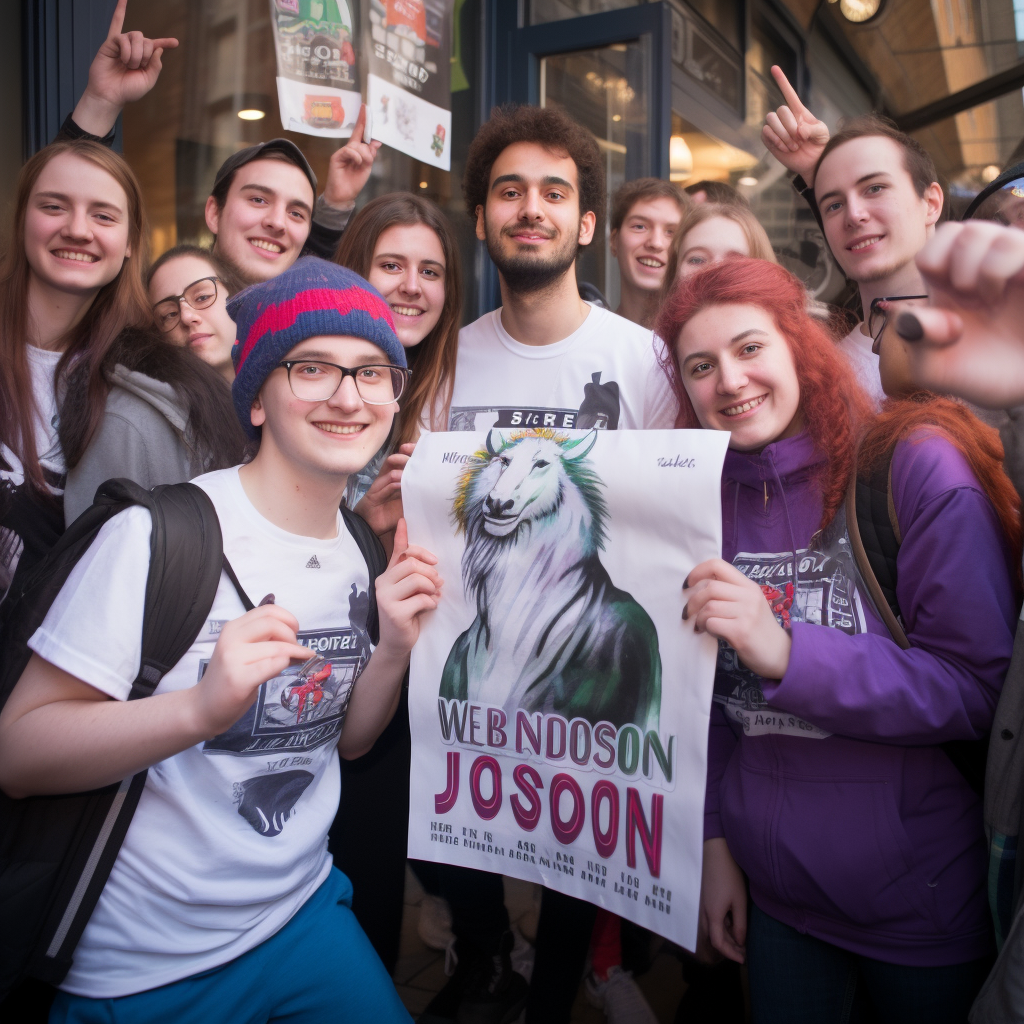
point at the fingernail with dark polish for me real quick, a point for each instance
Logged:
(686, 583)
(908, 327)
(686, 611)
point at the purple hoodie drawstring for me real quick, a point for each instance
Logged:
(789, 522)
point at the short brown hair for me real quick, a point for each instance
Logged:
(630, 193)
(916, 161)
(548, 127)
(720, 192)
(231, 281)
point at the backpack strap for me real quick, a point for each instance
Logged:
(875, 538)
(376, 562)
(184, 573)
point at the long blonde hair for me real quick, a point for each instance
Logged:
(757, 238)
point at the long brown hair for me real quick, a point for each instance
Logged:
(979, 444)
(434, 357)
(757, 238)
(114, 329)
(834, 406)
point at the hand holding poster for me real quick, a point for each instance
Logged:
(559, 704)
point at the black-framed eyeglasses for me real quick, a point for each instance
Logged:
(199, 295)
(376, 383)
(878, 316)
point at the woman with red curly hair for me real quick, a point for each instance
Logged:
(828, 787)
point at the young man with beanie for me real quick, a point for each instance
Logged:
(534, 185)
(222, 904)
(262, 221)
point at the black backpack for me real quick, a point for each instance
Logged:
(875, 537)
(56, 852)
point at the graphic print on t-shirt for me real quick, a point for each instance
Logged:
(823, 592)
(296, 712)
(599, 408)
(304, 707)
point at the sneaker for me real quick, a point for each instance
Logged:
(435, 924)
(495, 993)
(620, 998)
(481, 990)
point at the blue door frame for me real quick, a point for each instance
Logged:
(512, 75)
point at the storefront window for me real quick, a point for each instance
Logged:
(605, 90)
(217, 94)
(541, 11)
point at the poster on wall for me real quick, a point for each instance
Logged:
(558, 702)
(408, 82)
(317, 68)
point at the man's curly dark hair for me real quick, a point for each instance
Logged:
(548, 127)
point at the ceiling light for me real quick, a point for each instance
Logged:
(990, 173)
(747, 182)
(616, 117)
(423, 184)
(253, 106)
(859, 11)
(680, 159)
(252, 114)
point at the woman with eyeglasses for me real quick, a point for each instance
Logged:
(189, 288)
(89, 390)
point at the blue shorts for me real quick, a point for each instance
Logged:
(318, 969)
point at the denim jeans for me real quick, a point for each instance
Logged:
(798, 979)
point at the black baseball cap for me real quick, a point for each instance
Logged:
(286, 148)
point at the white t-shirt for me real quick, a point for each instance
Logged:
(25, 525)
(604, 375)
(230, 836)
(856, 346)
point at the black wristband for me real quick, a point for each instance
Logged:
(70, 129)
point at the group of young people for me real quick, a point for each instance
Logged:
(844, 860)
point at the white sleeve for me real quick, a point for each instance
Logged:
(93, 630)
(660, 403)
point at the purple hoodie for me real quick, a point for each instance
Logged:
(851, 824)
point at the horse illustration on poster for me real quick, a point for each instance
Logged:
(552, 633)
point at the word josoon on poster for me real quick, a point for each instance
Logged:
(559, 704)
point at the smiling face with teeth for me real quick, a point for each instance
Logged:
(265, 219)
(875, 222)
(641, 245)
(739, 375)
(76, 228)
(408, 269)
(324, 441)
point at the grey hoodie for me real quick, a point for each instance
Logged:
(143, 437)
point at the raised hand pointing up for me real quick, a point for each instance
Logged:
(124, 69)
(792, 133)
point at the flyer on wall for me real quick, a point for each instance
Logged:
(558, 702)
(408, 82)
(317, 69)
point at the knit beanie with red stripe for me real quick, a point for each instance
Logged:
(311, 298)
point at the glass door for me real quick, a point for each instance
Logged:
(611, 72)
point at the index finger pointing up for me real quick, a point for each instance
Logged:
(117, 21)
(788, 92)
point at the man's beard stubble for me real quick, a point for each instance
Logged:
(523, 272)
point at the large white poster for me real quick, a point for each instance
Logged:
(559, 703)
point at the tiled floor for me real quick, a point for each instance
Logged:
(420, 970)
